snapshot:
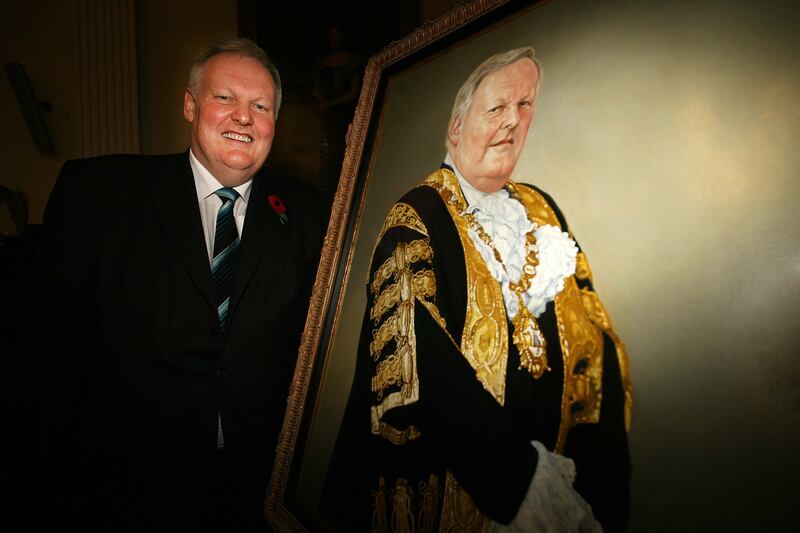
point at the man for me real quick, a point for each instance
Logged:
(173, 293)
(488, 373)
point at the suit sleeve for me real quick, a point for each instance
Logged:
(64, 342)
(62, 290)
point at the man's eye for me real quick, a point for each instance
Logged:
(260, 107)
(526, 104)
(224, 98)
(496, 109)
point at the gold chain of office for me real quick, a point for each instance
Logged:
(527, 336)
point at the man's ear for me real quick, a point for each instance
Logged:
(188, 106)
(454, 132)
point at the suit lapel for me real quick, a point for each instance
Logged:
(263, 234)
(176, 201)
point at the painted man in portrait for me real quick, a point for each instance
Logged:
(491, 391)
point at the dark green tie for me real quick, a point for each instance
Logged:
(226, 248)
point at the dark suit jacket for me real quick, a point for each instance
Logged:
(137, 366)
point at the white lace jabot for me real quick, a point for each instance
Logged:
(505, 221)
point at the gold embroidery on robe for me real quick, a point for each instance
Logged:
(379, 507)
(429, 504)
(484, 341)
(402, 215)
(421, 283)
(389, 372)
(381, 336)
(398, 370)
(396, 436)
(598, 314)
(582, 270)
(402, 508)
(414, 252)
(582, 346)
(459, 512)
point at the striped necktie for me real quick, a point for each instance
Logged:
(226, 247)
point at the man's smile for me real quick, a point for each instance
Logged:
(237, 137)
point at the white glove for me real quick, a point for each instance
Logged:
(552, 505)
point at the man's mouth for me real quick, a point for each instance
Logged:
(502, 142)
(237, 137)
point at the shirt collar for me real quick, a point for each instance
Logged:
(206, 184)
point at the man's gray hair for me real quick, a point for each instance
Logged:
(494, 63)
(237, 46)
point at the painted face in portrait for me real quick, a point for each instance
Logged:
(232, 117)
(487, 141)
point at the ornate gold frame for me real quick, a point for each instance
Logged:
(457, 26)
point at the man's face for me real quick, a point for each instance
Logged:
(487, 141)
(232, 117)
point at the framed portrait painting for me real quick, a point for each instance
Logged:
(635, 138)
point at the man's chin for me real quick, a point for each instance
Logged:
(237, 172)
(239, 162)
(489, 184)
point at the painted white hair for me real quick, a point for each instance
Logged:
(492, 64)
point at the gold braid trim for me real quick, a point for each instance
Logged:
(598, 314)
(424, 284)
(389, 372)
(381, 336)
(414, 252)
(582, 346)
(421, 283)
(384, 272)
(386, 300)
(396, 436)
(400, 368)
(582, 270)
(404, 216)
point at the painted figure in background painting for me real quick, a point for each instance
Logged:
(491, 391)
(337, 82)
(173, 293)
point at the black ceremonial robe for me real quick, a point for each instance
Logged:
(437, 430)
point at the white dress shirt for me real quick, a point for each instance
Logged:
(206, 185)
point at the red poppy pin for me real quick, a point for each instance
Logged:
(278, 206)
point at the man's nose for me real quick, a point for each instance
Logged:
(242, 114)
(511, 117)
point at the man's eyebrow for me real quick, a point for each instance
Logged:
(497, 101)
